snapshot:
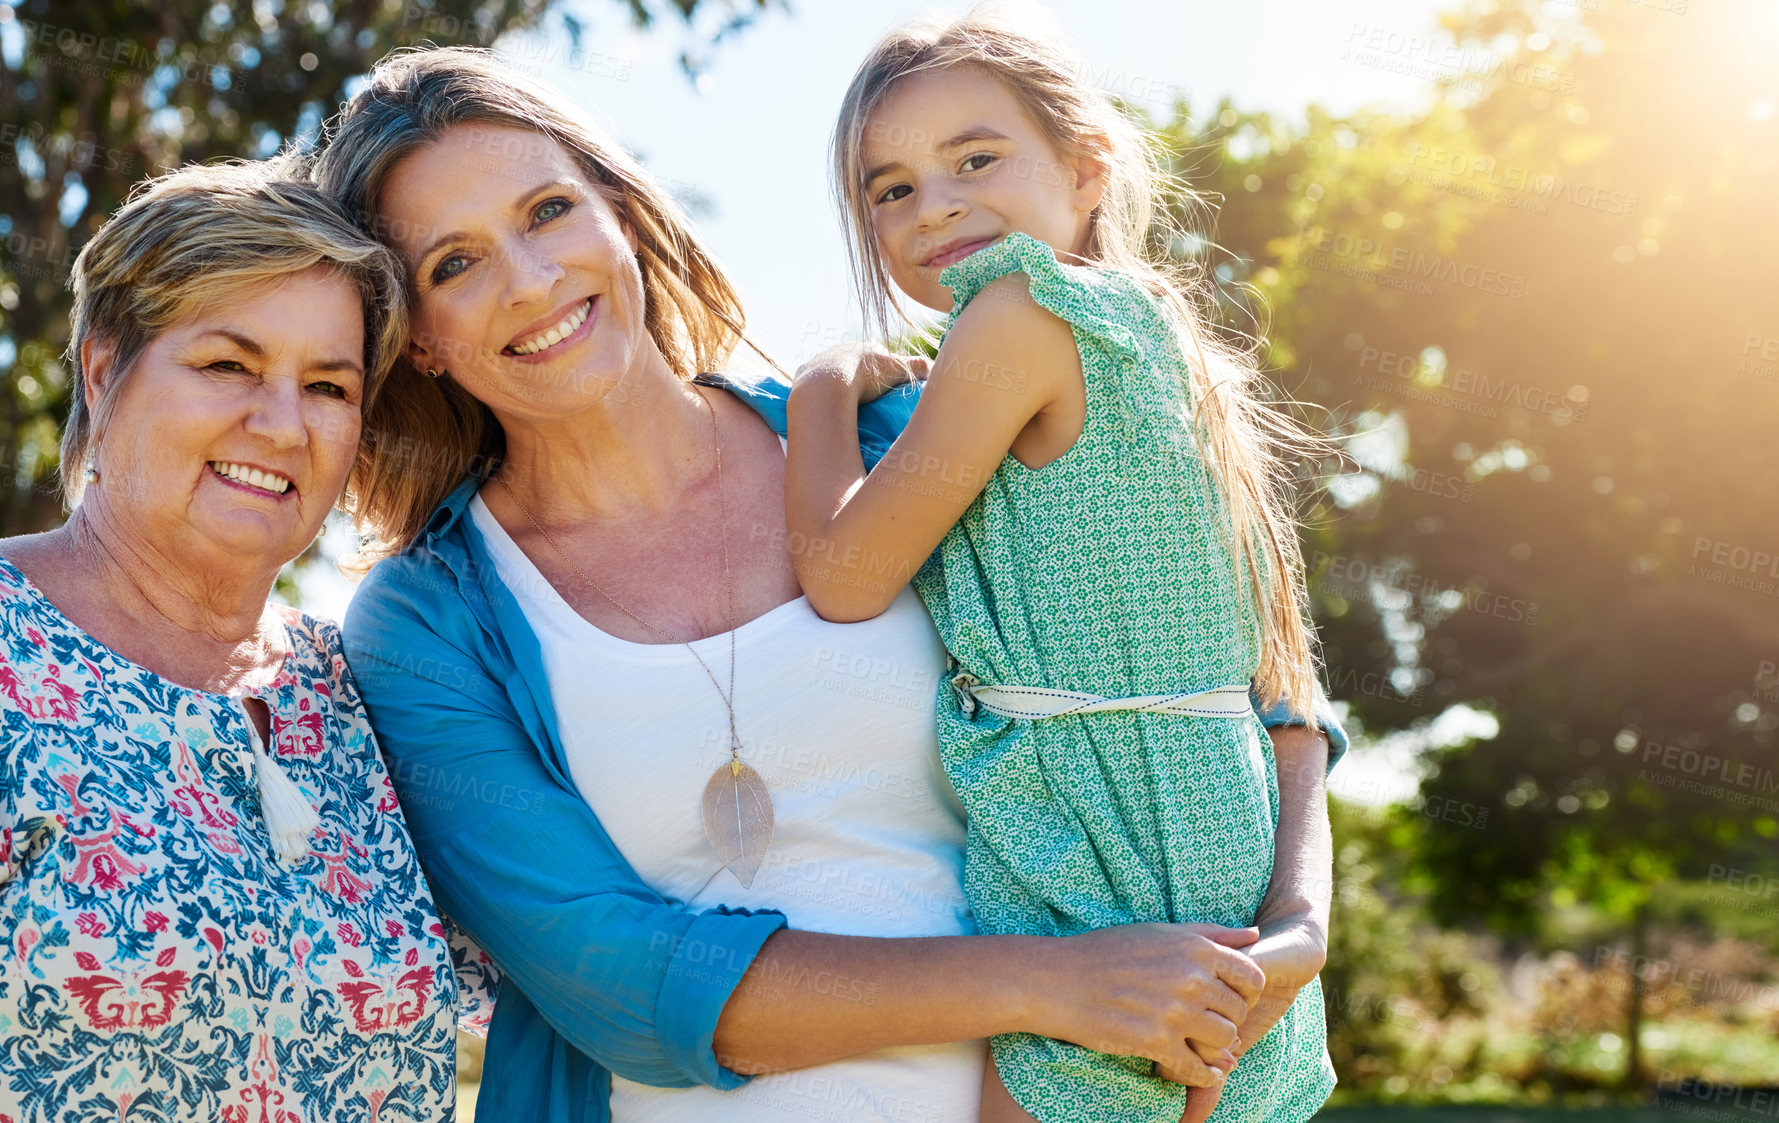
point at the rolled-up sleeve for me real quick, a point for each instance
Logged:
(521, 863)
(1321, 715)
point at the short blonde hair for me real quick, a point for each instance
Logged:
(428, 434)
(204, 234)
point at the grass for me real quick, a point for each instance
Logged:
(1493, 1115)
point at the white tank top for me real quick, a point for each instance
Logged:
(868, 839)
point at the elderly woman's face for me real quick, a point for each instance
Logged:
(527, 289)
(236, 429)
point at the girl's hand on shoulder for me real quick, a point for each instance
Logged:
(870, 370)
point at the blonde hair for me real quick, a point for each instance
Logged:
(691, 310)
(205, 234)
(1244, 440)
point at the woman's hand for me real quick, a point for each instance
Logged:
(1145, 989)
(1291, 951)
(869, 369)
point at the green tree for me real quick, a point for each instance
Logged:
(1539, 314)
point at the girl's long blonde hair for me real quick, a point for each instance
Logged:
(426, 435)
(1244, 441)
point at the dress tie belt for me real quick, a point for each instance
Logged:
(1031, 703)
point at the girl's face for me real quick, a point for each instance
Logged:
(527, 288)
(953, 163)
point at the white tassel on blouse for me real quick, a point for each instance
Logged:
(290, 818)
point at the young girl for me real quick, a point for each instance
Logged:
(1111, 559)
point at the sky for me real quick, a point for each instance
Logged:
(745, 148)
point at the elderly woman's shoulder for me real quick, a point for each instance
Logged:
(316, 632)
(27, 551)
(318, 650)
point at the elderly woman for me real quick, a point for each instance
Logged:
(210, 907)
(586, 648)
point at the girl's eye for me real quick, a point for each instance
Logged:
(551, 208)
(971, 161)
(449, 267)
(891, 195)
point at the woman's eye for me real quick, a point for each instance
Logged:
(892, 195)
(449, 267)
(229, 365)
(975, 162)
(331, 389)
(551, 208)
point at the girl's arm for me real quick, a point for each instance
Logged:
(1005, 361)
(1293, 918)
(881, 420)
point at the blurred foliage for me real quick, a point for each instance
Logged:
(98, 95)
(1534, 317)
(1420, 1013)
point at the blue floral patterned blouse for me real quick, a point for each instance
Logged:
(158, 961)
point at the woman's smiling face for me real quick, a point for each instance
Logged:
(236, 428)
(526, 282)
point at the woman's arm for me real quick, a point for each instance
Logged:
(1303, 848)
(650, 990)
(1005, 360)
(1136, 990)
(1320, 718)
(1293, 917)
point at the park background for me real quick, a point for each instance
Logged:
(1520, 260)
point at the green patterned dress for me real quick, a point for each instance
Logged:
(1108, 571)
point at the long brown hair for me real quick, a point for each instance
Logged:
(425, 435)
(1245, 442)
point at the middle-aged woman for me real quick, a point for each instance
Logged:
(210, 907)
(587, 648)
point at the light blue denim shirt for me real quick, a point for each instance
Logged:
(601, 974)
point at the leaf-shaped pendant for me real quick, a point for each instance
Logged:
(738, 818)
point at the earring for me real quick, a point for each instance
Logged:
(433, 374)
(90, 476)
